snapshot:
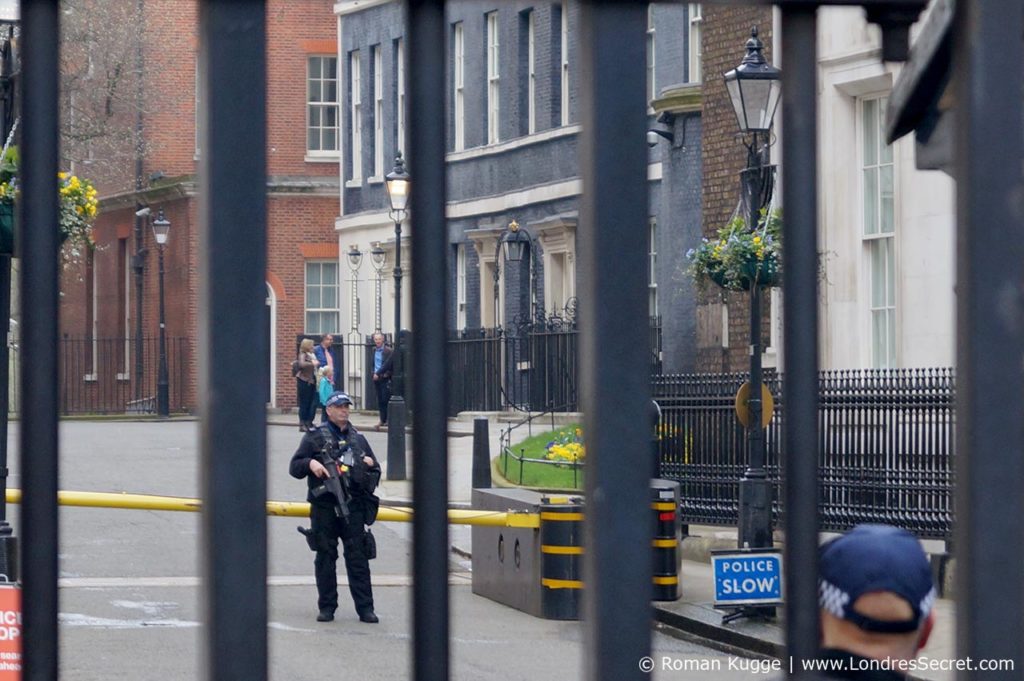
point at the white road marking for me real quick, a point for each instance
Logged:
(454, 578)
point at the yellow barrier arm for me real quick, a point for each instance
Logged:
(151, 502)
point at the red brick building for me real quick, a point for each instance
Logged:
(723, 319)
(99, 305)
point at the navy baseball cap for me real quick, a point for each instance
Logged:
(872, 558)
(337, 398)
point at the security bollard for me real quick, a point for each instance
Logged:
(665, 542)
(561, 548)
(481, 454)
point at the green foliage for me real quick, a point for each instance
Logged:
(741, 256)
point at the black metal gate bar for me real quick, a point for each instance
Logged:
(614, 341)
(800, 403)
(37, 236)
(233, 254)
(990, 332)
(426, 69)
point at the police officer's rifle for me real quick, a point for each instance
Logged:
(338, 458)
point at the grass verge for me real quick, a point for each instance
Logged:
(545, 475)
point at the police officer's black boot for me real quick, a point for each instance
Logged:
(325, 616)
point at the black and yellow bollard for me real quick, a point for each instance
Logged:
(561, 548)
(665, 542)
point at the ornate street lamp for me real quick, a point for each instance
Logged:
(754, 89)
(161, 230)
(355, 259)
(378, 258)
(398, 184)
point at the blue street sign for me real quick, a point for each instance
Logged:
(747, 577)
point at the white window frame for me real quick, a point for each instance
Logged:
(460, 286)
(652, 84)
(493, 80)
(878, 243)
(531, 80)
(459, 78)
(400, 113)
(321, 310)
(378, 114)
(323, 105)
(696, 56)
(356, 113)
(652, 267)
(565, 64)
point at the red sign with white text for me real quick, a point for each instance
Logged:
(10, 632)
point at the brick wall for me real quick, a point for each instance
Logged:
(725, 32)
(295, 30)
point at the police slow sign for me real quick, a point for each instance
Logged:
(747, 577)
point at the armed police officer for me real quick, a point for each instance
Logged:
(336, 460)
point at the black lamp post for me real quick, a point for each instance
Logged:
(161, 230)
(754, 89)
(513, 244)
(398, 184)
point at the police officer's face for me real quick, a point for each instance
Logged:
(338, 414)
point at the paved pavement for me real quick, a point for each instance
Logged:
(692, 614)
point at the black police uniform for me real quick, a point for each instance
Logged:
(328, 527)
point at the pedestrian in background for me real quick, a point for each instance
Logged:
(876, 595)
(324, 388)
(323, 352)
(382, 369)
(305, 383)
(338, 434)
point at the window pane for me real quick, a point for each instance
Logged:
(886, 152)
(314, 67)
(330, 69)
(311, 325)
(330, 273)
(879, 344)
(888, 209)
(890, 272)
(313, 296)
(871, 200)
(878, 272)
(313, 140)
(330, 91)
(870, 132)
(330, 117)
(313, 273)
(314, 91)
(314, 116)
(330, 323)
(891, 332)
(330, 297)
(330, 140)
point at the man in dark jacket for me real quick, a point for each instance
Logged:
(382, 368)
(328, 525)
(876, 595)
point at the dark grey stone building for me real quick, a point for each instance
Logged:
(512, 139)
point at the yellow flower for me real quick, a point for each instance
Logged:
(757, 239)
(760, 254)
(62, 175)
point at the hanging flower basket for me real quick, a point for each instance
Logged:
(78, 207)
(741, 257)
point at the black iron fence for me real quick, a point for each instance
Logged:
(97, 376)
(885, 454)
(528, 367)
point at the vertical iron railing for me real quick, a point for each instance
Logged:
(800, 326)
(233, 261)
(615, 378)
(885, 454)
(37, 234)
(425, 62)
(987, 57)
